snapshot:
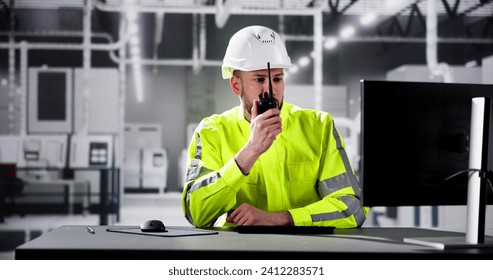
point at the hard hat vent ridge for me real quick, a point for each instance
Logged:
(266, 39)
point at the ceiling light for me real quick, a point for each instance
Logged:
(139, 88)
(293, 69)
(368, 19)
(133, 29)
(304, 61)
(136, 63)
(330, 43)
(135, 52)
(347, 31)
(134, 41)
(392, 6)
(131, 15)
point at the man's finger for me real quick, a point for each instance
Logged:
(255, 108)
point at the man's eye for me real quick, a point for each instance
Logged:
(260, 80)
(276, 80)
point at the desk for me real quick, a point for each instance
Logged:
(74, 242)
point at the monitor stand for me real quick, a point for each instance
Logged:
(476, 186)
(449, 242)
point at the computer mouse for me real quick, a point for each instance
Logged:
(153, 226)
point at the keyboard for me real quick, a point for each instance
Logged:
(285, 229)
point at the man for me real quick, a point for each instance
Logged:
(286, 166)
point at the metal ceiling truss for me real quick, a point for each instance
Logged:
(393, 25)
(403, 24)
(406, 25)
(334, 6)
(394, 28)
(483, 29)
(452, 12)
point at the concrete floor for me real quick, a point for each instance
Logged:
(135, 209)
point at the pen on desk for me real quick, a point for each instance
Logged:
(90, 230)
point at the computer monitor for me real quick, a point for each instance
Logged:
(414, 136)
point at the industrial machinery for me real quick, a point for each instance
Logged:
(145, 166)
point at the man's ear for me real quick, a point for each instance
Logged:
(235, 84)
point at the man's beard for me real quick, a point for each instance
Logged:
(247, 104)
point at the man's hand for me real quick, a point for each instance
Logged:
(247, 215)
(264, 129)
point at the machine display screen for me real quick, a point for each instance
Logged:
(51, 96)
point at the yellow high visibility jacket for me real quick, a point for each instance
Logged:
(306, 171)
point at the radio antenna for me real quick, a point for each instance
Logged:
(271, 94)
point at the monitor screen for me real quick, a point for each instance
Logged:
(414, 135)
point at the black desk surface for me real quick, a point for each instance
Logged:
(74, 242)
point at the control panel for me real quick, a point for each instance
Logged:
(98, 153)
(88, 151)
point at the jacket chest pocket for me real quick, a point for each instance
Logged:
(300, 171)
(302, 180)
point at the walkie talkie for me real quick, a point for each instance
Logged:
(266, 100)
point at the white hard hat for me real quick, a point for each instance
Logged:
(251, 48)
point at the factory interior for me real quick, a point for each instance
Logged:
(99, 99)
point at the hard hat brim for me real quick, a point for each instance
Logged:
(227, 71)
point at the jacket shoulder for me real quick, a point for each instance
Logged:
(216, 121)
(304, 114)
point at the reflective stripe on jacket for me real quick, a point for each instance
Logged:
(306, 171)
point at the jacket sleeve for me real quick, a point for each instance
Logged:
(211, 184)
(340, 205)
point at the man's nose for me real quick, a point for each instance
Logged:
(266, 86)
